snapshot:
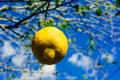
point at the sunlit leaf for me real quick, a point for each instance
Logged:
(41, 22)
(9, 78)
(86, 7)
(48, 22)
(82, 10)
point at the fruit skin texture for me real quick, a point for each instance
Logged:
(49, 45)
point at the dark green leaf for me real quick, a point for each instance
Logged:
(29, 2)
(118, 13)
(117, 3)
(98, 11)
(4, 70)
(56, 2)
(83, 13)
(91, 44)
(114, 62)
(91, 47)
(106, 13)
(99, 64)
(76, 7)
(64, 27)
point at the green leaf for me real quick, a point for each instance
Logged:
(87, 7)
(9, 78)
(30, 36)
(64, 25)
(76, 7)
(117, 3)
(41, 22)
(2, 15)
(49, 22)
(98, 11)
(91, 44)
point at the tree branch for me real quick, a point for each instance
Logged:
(35, 13)
(47, 10)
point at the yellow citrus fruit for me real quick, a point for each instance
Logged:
(49, 45)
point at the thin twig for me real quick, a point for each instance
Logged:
(35, 13)
(16, 33)
(47, 10)
(113, 73)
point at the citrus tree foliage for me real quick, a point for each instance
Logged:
(92, 28)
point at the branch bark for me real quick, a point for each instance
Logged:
(35, 13)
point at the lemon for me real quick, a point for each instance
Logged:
(49, 45)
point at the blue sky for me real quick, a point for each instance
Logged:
(80, 63)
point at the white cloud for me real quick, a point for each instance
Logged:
(73, 58)
(47, 71)
(84, 62)
(44, 73)
(81, 61)
(7, 50)
(108, 57)
(29, 76)
(19, 59)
